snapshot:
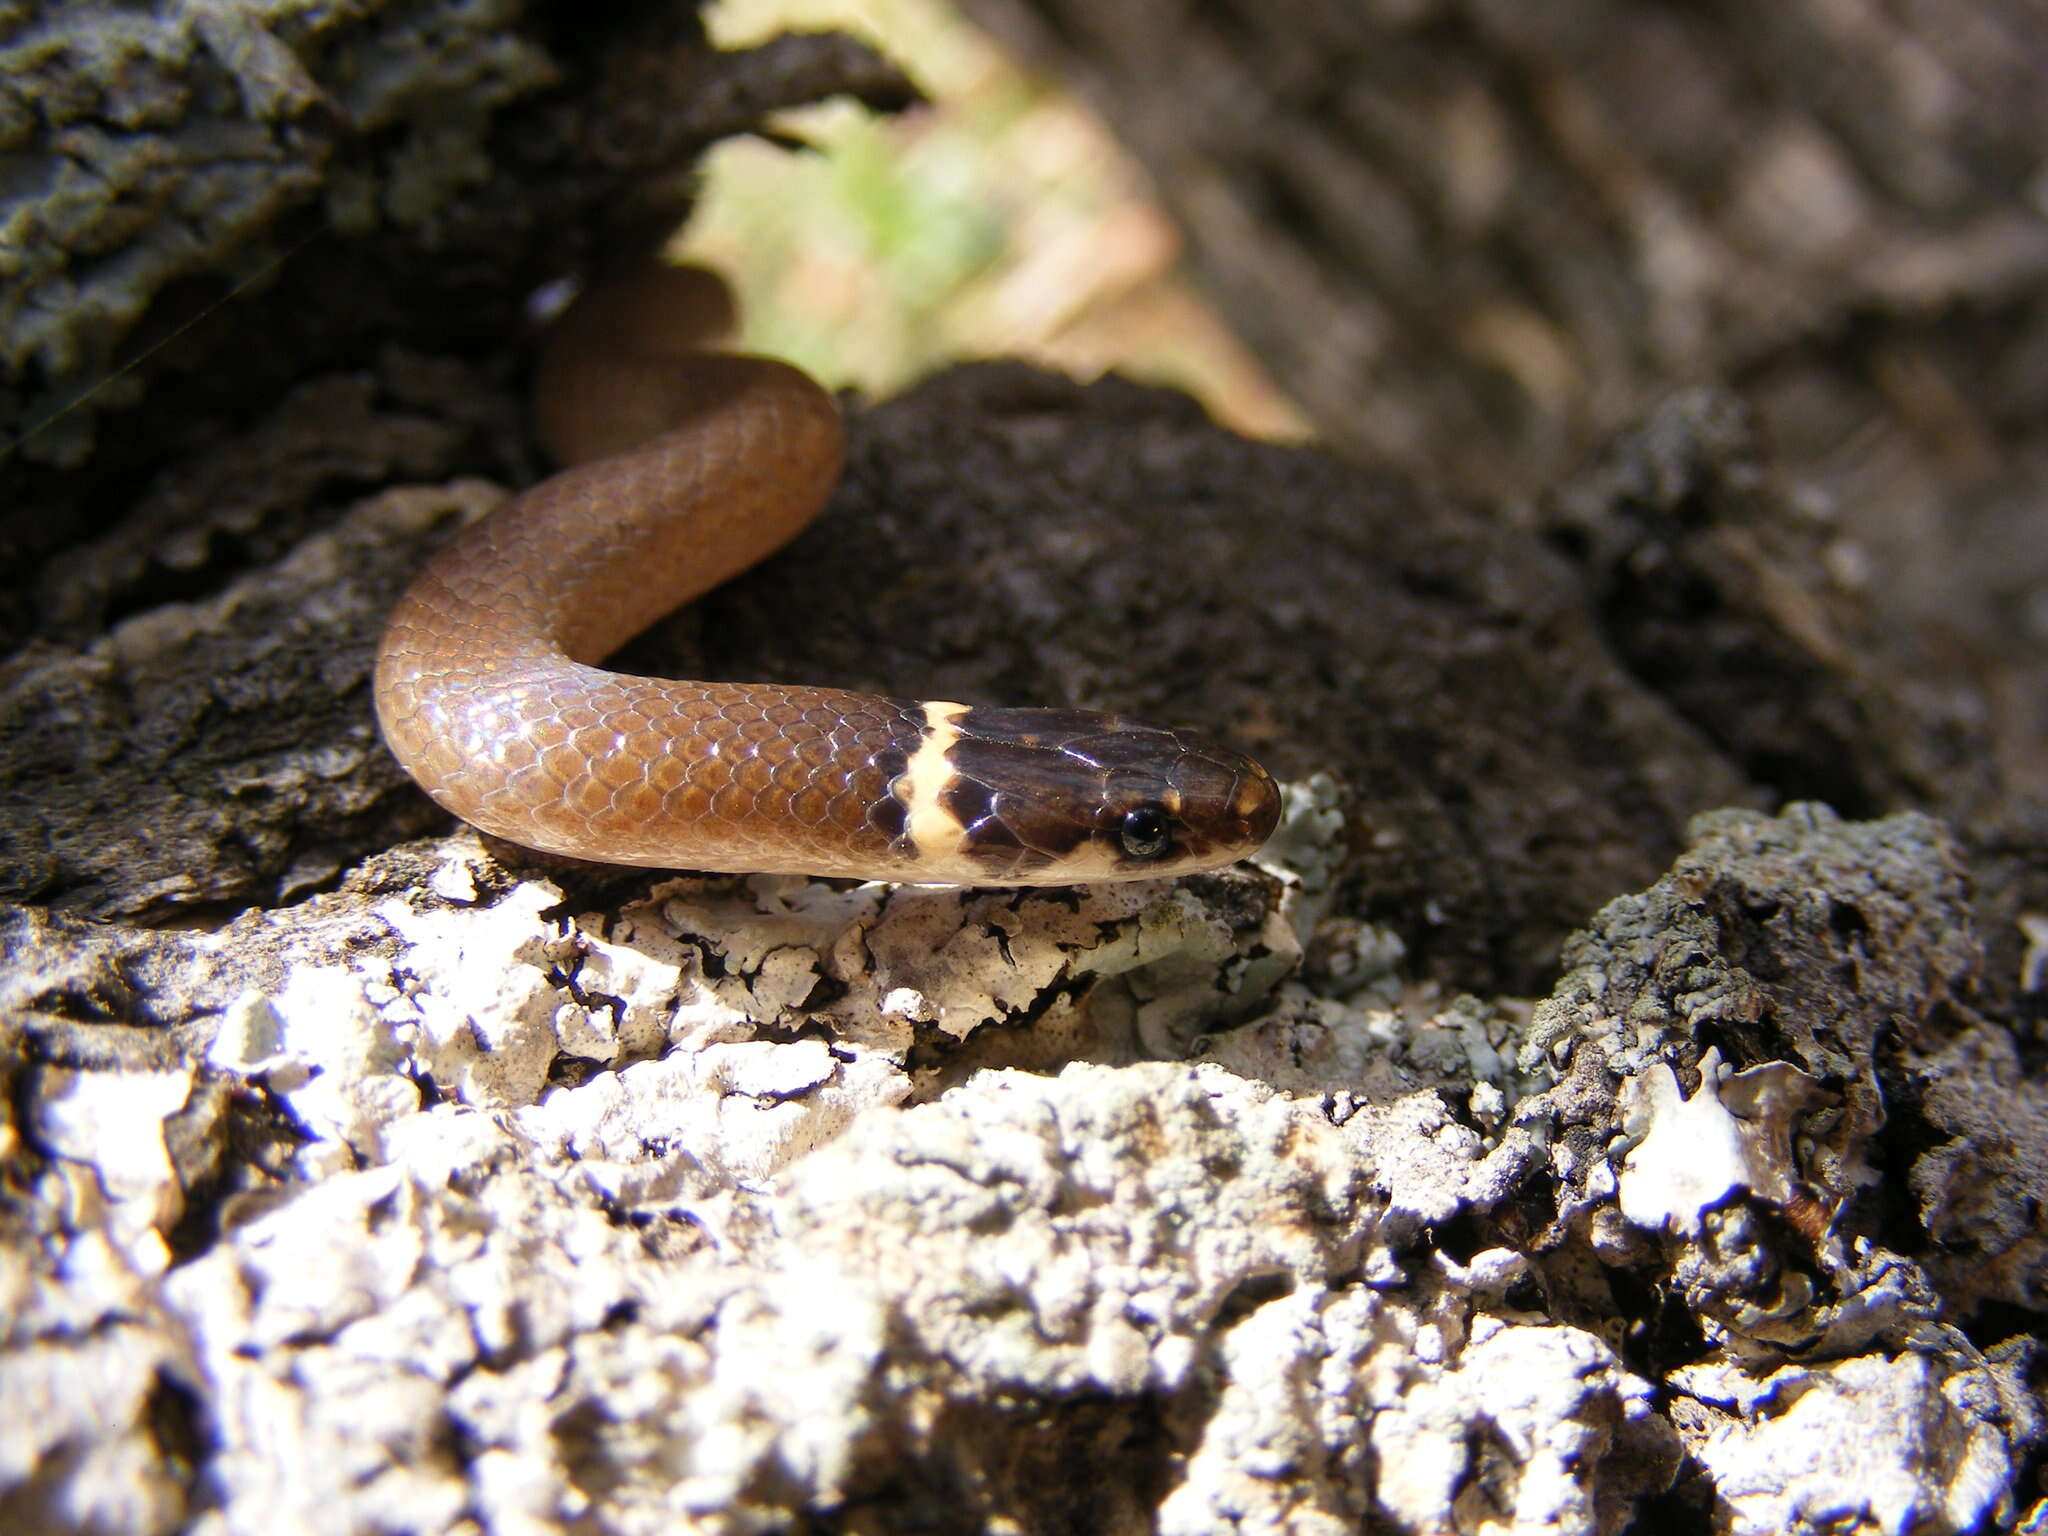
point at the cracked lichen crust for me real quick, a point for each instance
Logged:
(1734, 1048)
(1800, 938)
(726, 1206)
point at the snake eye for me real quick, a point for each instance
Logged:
(1144, 832)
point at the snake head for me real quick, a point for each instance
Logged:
(1063, 797)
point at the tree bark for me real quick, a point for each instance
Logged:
(357, 1175)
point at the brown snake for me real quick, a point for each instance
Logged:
(688, 468)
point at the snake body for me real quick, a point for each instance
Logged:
(699, 465)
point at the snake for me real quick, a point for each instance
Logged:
(683, 466)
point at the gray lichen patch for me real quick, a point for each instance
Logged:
(1824, 1417)
(1798, 938)
(721, 1208)
(1838, 963)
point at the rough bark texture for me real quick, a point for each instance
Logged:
(352, 1186)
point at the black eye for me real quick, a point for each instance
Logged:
(1144, 832)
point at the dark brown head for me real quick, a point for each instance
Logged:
(1064, 797)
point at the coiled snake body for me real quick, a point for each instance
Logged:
(693, 467)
